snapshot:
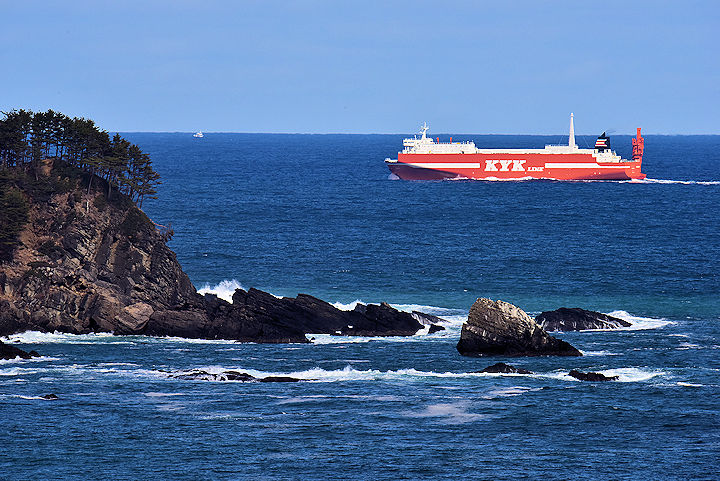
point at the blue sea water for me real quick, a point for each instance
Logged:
(319, 214)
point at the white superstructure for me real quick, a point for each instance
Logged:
(427, 145)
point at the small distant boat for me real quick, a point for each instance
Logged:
(198, 134)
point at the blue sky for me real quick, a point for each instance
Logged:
(367, 66)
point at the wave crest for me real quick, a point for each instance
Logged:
(224, 290)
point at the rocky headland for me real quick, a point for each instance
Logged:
(576, 319)
(498, 328)
(85, 262)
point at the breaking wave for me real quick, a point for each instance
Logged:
(348, 373)
(626, 374)
(667, 181)
(224, 290)
(37, 337)
(638, 323)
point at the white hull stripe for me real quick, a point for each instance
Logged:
(440, 165)
(569, 165)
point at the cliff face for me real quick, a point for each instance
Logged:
(85, 265)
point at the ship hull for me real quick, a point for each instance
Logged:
(512, 166)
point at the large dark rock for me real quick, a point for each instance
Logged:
(591, 376)
(11, 352)
(86, 264)
(308, 314)
(576, 319)
(503, 368)
(497, 328)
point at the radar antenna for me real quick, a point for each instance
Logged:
(424, 129)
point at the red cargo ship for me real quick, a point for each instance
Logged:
(424, 159)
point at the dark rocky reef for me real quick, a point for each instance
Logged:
(88, 264)
(231, 376)
(497, 328)
(11, 352)
(502, 368)
(576, 319)
(591, 376)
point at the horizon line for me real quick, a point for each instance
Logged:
(190, 132)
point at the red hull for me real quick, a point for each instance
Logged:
(512, 166)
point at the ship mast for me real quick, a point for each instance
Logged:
(423, 130)
(571, 141)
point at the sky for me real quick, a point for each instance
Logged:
(331, 66)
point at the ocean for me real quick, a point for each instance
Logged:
(320, 214)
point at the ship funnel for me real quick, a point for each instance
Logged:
(571, 140)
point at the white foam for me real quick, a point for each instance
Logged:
(638, 323)
(32, 359)
(347, 307)
(452, 316)
(37, 337)
(450, 413)
(163, 394)
(625, 374)
(509, 392)
(224, 290)
(668, 181)
(17, 371)
(688, 384)
(318, 374)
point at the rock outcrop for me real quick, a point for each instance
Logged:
(576, 319)
(591, 376)
(85, 264)
(502, 368)
(11, 352)
(198, 375)
(502, 329)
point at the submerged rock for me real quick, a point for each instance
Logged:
(502, 329)
(591, 376)
(503, 368)
(435, 328)
(11, 352)
(576, 319)
(279, 379)
(230, 376)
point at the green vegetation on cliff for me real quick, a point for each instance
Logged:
(28, 139)
(47, 153)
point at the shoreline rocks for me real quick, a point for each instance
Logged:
(498, 328)
(591, 376)
(8, 352)
(502, 368)
(230, 376)
(577, 319)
